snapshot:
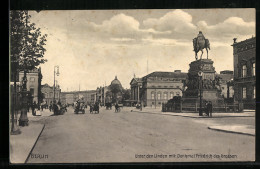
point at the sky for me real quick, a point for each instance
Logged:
(91, 47)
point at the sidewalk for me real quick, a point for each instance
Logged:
(22, 144)
(195, 115)
(238, 129)
(44, 113)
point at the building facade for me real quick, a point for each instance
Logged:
(101, 94)
(34, 78)
(244, 54)
(226, 77)
(89, 96)
(48, 95)
(157, 87)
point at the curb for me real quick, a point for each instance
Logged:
(190, 116)
(34, 144)
(228, 131)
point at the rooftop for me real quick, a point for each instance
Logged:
(244, 41)
(167, 74)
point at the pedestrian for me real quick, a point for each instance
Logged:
(141, 106)
(42, 104)
(206, 108)
(55, 108)
(209, 109)
(50, 106)
(28, 106)
(116, 107)
(33, 108)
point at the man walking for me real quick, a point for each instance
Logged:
(33, 108)
(209, 109)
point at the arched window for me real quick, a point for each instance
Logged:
(244, 71)
(152, 94)
(171, 95)
(159, 96)
(253, 69)
(165, 95)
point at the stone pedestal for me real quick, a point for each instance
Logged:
(210, 88)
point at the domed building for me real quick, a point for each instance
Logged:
(115, 91)
(116, 82)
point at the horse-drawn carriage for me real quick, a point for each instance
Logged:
(109, 106)
(94, 108)
(59, 109)
(79, 107)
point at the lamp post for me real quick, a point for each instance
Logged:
(23, 120)
(155, 95)
(200, 73)
(57, 73)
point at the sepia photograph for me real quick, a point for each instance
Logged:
(130, 86)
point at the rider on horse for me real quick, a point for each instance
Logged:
(200, 43)
(200, 37)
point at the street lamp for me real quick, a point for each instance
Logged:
(57, 73)
(200, 73)
(23, 120)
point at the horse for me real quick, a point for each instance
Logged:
(202, 44)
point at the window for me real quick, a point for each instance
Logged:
(152, 95)
(178, 93)
(159, 96)
(32, 79)
(50, 95)
(244, 71)
(244, 92)
(165, 96)
(171, 95)
(253, 69)
(32, 91)
(254, 93)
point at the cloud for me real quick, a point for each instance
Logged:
(176, 21)
(231, 27)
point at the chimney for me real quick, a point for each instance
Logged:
(177, 71)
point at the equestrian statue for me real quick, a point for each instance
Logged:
(199, 43)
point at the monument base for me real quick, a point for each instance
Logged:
(201, 78)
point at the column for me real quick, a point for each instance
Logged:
(138, 93)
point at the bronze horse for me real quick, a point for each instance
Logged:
(202, 44)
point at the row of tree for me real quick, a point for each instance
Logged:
(26, 51)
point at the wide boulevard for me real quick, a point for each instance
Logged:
(132, 136)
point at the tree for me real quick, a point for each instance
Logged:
(26, 47)
(115, 90)
(27, 43)
(126, 94)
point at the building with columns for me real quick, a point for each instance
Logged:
(157, 87)
(244, 54)
(136, 85)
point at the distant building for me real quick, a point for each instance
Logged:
(48, 91)
(225, 77)
(157, 87)
(34, 78)
(101, 94)
(244, 54)
(89, 96)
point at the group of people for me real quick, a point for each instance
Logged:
(94, 107)
(208, 107)
(57, 107)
